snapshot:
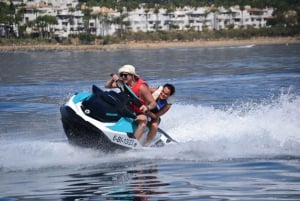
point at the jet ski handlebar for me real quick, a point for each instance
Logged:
(126, 89)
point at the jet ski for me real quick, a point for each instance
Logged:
(104, 120)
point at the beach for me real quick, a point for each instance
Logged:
(154, 45)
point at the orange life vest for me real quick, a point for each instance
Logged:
(136, 89)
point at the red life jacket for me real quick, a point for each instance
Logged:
(136, 89)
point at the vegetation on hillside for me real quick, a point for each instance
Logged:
(132, 4)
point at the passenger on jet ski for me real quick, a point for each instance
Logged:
(128, 76)
(163, 104)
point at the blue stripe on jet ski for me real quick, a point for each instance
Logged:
(123, 125)
(111, 114)
(80, 97)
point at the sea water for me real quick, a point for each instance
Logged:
(235, 114)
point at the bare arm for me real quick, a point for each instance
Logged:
(112, 83)
(160, 112)
(152, 90)
(147, 96)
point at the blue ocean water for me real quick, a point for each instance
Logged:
(235, 112)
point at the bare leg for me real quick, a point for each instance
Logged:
(152, 132)
(142, 123)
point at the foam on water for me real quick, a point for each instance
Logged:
(27, 155)
(267, 129)
(270, 128)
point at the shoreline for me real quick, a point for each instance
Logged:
(155, 44)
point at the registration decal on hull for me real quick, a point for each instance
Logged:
(124, 140)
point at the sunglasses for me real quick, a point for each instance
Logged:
(124, 75)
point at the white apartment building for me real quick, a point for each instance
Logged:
(103, 20)
(197, 18)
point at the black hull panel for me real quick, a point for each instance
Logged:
(82, 133)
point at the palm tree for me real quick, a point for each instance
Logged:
(146, 18)
(7, 18)
(156, 11)
(86, 18)
(18, 18)
(122, 24)
(242, 8)
(215, 11)
(44, 24)
(105, 23)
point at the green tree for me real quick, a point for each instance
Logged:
(7, 18)
(156, 12)
(17, 19)
(122, 24)
(105, 23)
(44, 24)
(86, 19)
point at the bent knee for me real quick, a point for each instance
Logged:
(141, 117)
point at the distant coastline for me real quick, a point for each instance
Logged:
(154, 45)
